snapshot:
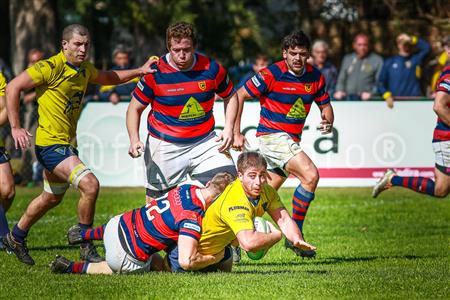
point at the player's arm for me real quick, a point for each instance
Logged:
(190, 259)
(134, 112)
(239, 138)
(231, 108)
(327, 114)
(21, 83)
(251, 240)
(114, 77)
(441, 106)
(289, 228)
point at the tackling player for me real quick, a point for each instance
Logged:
(441, 145)
(230, 217)
(181, 140)
(133, 239)
(7, 190)
(60, 84)
(286, 91)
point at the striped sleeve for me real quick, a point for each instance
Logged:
(143, 91)
(224, 85)
(443, 84)
(322, 97)
(190, 228)
(259, 83)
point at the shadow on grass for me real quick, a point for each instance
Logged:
(54, 247)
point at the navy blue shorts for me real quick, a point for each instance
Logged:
(4, 156)
(175, 266)
(51, 156)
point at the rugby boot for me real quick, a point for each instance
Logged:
(19, 249)
(60, 265)
(384, 183)
(74, 235)
(88, 252)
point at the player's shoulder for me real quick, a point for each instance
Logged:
(52, 64)
(314, 71)
(233, 194)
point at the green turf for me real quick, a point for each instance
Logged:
(395, 246)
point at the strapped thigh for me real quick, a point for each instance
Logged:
(77, 174)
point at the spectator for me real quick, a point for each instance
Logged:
(400, 73)
(113, 93)
(320, 61)
(31, 169)
(261, 62)
(357, 78)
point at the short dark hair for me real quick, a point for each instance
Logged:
(250, 159)
(68, 31)
(296, 38)
(179, 31)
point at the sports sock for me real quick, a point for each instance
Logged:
(78, 267)
(85, 227)
(18, 234)
(93, 234)
(300, 204)
(4, 228)
(418, 184)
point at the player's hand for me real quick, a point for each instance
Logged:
(21, 138)
(390, 102)
(303, 245)
(365, 96)
(147, 67)
(239, 142)
(226, 136)
(136, 149)
(325, 127)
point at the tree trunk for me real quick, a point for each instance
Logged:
(33, 25)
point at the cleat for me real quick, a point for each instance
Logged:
(236, 254)
(299, 252)
(19, 249)
(384, 183)
(89, 253)
(60, 265)
(2, 246)
(74, 235)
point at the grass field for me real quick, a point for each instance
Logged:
(395, 246)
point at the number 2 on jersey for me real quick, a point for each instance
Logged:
(157, 209)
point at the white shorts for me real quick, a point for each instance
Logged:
(168, 164)
(278, 148)
(442, 154)
(116, 257)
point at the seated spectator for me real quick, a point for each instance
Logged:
(321, 62)
(112, 93)
(359, 71)
(401, 73)
(442, 61)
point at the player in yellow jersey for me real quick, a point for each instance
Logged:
(7, 191)
(60, 84)
(230, 217)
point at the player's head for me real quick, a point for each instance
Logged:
(252, 171)
(181, 41)
(121, 56)
(296, 48)
(320, 51)
(361, 45)
(75, 43)
(217, 185)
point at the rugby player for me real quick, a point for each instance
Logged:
(229, 219)
(286, 90)
(133, 239)
(60, 84)
(181, 140)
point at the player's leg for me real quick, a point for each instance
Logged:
(7, 193)
(63, 265)
(76, 235)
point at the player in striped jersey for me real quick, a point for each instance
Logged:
(286, 90)
(440, 187)
(133, 239)
(181, 139)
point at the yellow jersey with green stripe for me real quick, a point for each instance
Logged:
(232, 212)
(59, 91)
(2, 94)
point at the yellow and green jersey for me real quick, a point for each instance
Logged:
(232, 212)
(59, 92)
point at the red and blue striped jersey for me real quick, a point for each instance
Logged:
(442, 130)
(182, 101)
(286, 98)
(157, 225)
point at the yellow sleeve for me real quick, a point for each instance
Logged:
(238, 214)
(92, 71)
(2, 84)
(274, 200)
(41, 72)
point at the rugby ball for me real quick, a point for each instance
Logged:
(260, 226)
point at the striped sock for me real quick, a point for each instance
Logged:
(300, 204)
(93, 234)
(78, 267)
(418, 184)
(4, 228)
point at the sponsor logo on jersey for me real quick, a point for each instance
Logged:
(308, 87)
(191, 110)
(202, 85)
(298, 110)
(256, 81)
(238, 207)
(140, 86)
(191, 226)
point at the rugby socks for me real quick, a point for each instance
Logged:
(418, 184)
(93, 234)
(300, 204)
(4, 228)
(78, 267)
(18, 234)
(84, 228)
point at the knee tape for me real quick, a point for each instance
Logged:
(77, 174)
(55, 188)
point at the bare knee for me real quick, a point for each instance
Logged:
(89, 186)
(7, 195)
(310, 179)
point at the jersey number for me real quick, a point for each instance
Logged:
(158, 209)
